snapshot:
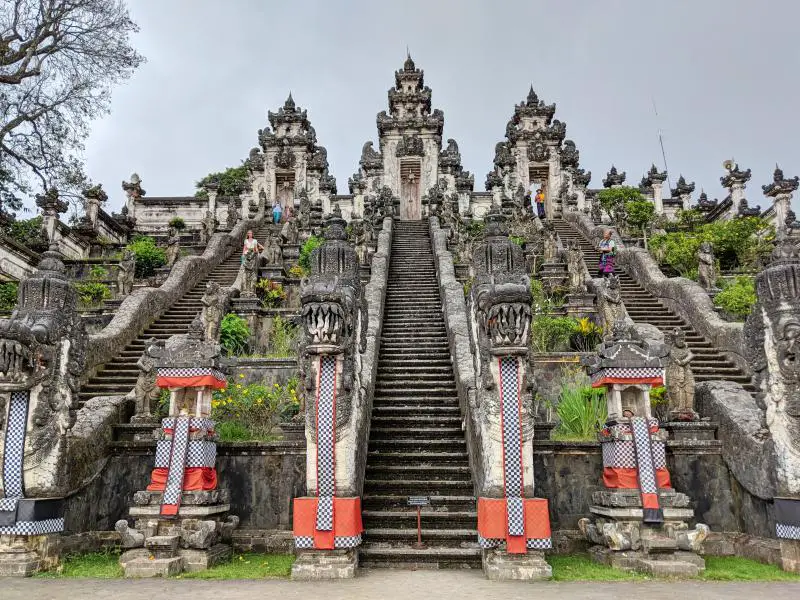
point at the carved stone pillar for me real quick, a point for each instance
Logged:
(780, 190)
(43, 353)
(51, 206)
(333, 318)
(212, 188)
(735, 181)
(638, 522)
(94, 197)
(513, 525)
(683, 190)
(133, 192)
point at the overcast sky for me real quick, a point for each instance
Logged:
(723, 75)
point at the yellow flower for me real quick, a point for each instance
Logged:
(241, 375)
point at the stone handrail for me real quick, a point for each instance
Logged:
(683, 296)
(454, 307)
(375, 297)
(144, 305)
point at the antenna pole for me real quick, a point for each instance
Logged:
(661, 143)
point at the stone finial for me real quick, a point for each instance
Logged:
(370, 158)
(96, 193)
(570, 157)
(133, 188)
(50, 203)
(289, 105)
(682, 188)
(780, 185)
(409, 65)
(735, 176)
(614, 178)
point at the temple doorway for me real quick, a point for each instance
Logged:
(538, 176)
(410, 204)
(284, 192)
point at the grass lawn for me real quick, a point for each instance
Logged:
(579, 567)
(247, 566)
(97, 565)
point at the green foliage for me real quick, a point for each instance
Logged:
(519, 241)
(738, 298)
(586, 335)
(689, 220)
(640, 214)
(543, 302)
(271, 293)
(468, 286)
(474, 229)
(282, 338)
(251, 412)
(581, 410)
(178, 223)
(734, 568)
(613, 199)
(234, 335)
(232, 182)
(27, 232)
(8, 295)
(658, 396)
(149, 257)
(550, 334)
(738, 243)
(579, 567)
(309, 246)
(297, 272)
(92, 293)
(97, 272)
(247, 566)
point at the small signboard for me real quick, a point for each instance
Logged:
(419, 500)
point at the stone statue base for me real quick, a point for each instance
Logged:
(316, 565)
(273, 272)
(580, 305)
(624, 541)
(554, 277)
(245, 304)
(196, 539)
(790, 555)
(499, 565)
(24, 555)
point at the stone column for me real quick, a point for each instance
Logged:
(211, 188)
(735, 181)
(133, 191)
(780, 190)
(51, 206)
(94, 197)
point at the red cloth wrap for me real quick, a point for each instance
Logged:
(625, 478)
(654, 381)
(346, 521)
(191, 382)
(493, 522)
(194, 479)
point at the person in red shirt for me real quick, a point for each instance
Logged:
(540, 203)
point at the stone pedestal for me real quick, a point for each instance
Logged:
(790, 555)
(272, 272)
(196, 539)
(291, 252)
(245, 305)
(24, 555)
(691, 430)
(581, 305)
(626, 542)
(498, 565)
(317, 565)
(554, 276)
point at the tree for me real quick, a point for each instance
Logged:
(59, 60)
(640, 214)
(613, 201)
(231, 182)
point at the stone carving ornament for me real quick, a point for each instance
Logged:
(707, 268)
(679, 379)
(576, 268)
(173, 246)
(249, 271)
(146, 391)
(272, 253)
(125, 273)
(207, 227)
(215, 305)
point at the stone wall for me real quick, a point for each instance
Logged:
(264, 371)
(263, 478)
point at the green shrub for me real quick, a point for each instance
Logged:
(738, 297)
(586, 336)
(582, 411)
(97, 272)
(251, 412)
(234, 335)
(28, 232)
(297, 272)
(474, 229)
(468, 286)
(519, 241)
(149, 257)
(92, 293)
(550, 334)
(232, 181)
(309, 246)
(271, 293)
(282, 338)
(8, 295)
(178, 223)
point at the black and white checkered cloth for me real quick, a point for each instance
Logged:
(621, 454)
(34, 527)
(628, 373)
(531, 544)
(512, 444)
(326, 441)
(199, 453)
(192, 372)
(14, 452)
(196, 423)
(177, 462)
(644, 455)
(307, 542)
(787, 532)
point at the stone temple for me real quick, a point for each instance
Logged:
(408, 375)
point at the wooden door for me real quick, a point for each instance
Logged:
(410, 202)
(285, 190)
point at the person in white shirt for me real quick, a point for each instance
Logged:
(250, 244)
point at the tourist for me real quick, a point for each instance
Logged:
(527, 204)
(277, 210)
(250, 244)
(608, 250)
(540, 203)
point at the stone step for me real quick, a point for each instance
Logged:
(407, 519)
(435, 421)
(404, 409)
(390, 502)
(389, 433)
(411, 445)
(418, 487)
(438, 537)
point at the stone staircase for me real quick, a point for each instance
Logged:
(709, 364)
(118, 376)
(416, 446)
